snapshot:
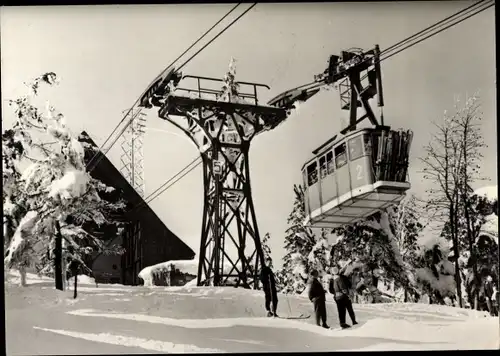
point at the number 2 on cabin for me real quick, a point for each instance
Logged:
(359, 169)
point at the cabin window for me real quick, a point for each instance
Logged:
(355, 148)
(340, 156)
(312, 174)
(368, 144)
(322, 167)
(329, 163)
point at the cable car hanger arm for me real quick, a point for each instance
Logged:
(346, 68)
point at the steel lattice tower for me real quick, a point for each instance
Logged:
(222, 124)
(132, 157)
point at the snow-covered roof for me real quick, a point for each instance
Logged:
(184, 266)
(490, 192)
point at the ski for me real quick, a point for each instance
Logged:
(301, 316)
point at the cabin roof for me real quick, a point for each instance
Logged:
(106, 172)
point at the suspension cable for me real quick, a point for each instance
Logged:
(220, 33)
(439, 31)
(163, 72)
(457, 21)
(169, 183)
(432, 26)
(388, 56)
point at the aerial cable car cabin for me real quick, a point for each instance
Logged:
(362, 171)
(352, 177)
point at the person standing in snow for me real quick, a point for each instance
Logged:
(317, 297)
(488, 294)
(269, 285)
(339, 287)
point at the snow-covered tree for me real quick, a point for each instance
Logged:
(319, 257)
(54, 194)
(483, 217)
(267, 250)
(299, 242)
(371, 248)
(434, 273)
(406, 222)
(230, 88)
(452, 162)
(13, 203)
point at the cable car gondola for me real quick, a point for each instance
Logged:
(352, 177)
(365, 170)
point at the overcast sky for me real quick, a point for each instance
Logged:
(107, 55)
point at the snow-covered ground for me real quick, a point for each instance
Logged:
(120, 319)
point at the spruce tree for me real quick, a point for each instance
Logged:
(299, 242)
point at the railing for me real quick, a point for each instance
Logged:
(204, 90)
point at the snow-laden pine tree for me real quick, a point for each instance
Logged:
(267, 255)
(267, 251)
(299, 242)
(13, 199)
(405, 219)
(434, 273)
(319, 257)
(370, 248)
(484, 215)
(483, 210)
(53, 193)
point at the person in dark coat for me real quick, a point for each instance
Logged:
(488, 294)
(269, 285)
(339, 287)
(317, 296)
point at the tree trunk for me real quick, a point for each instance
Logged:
(472, 250)
(456, 252)
(476, 301)
(76, 282)
(58, 275)
(22, 272)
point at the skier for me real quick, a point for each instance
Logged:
(317, 296)
(269, 286)
(339, 287)
(488, 294)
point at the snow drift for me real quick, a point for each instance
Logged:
(82, 279)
